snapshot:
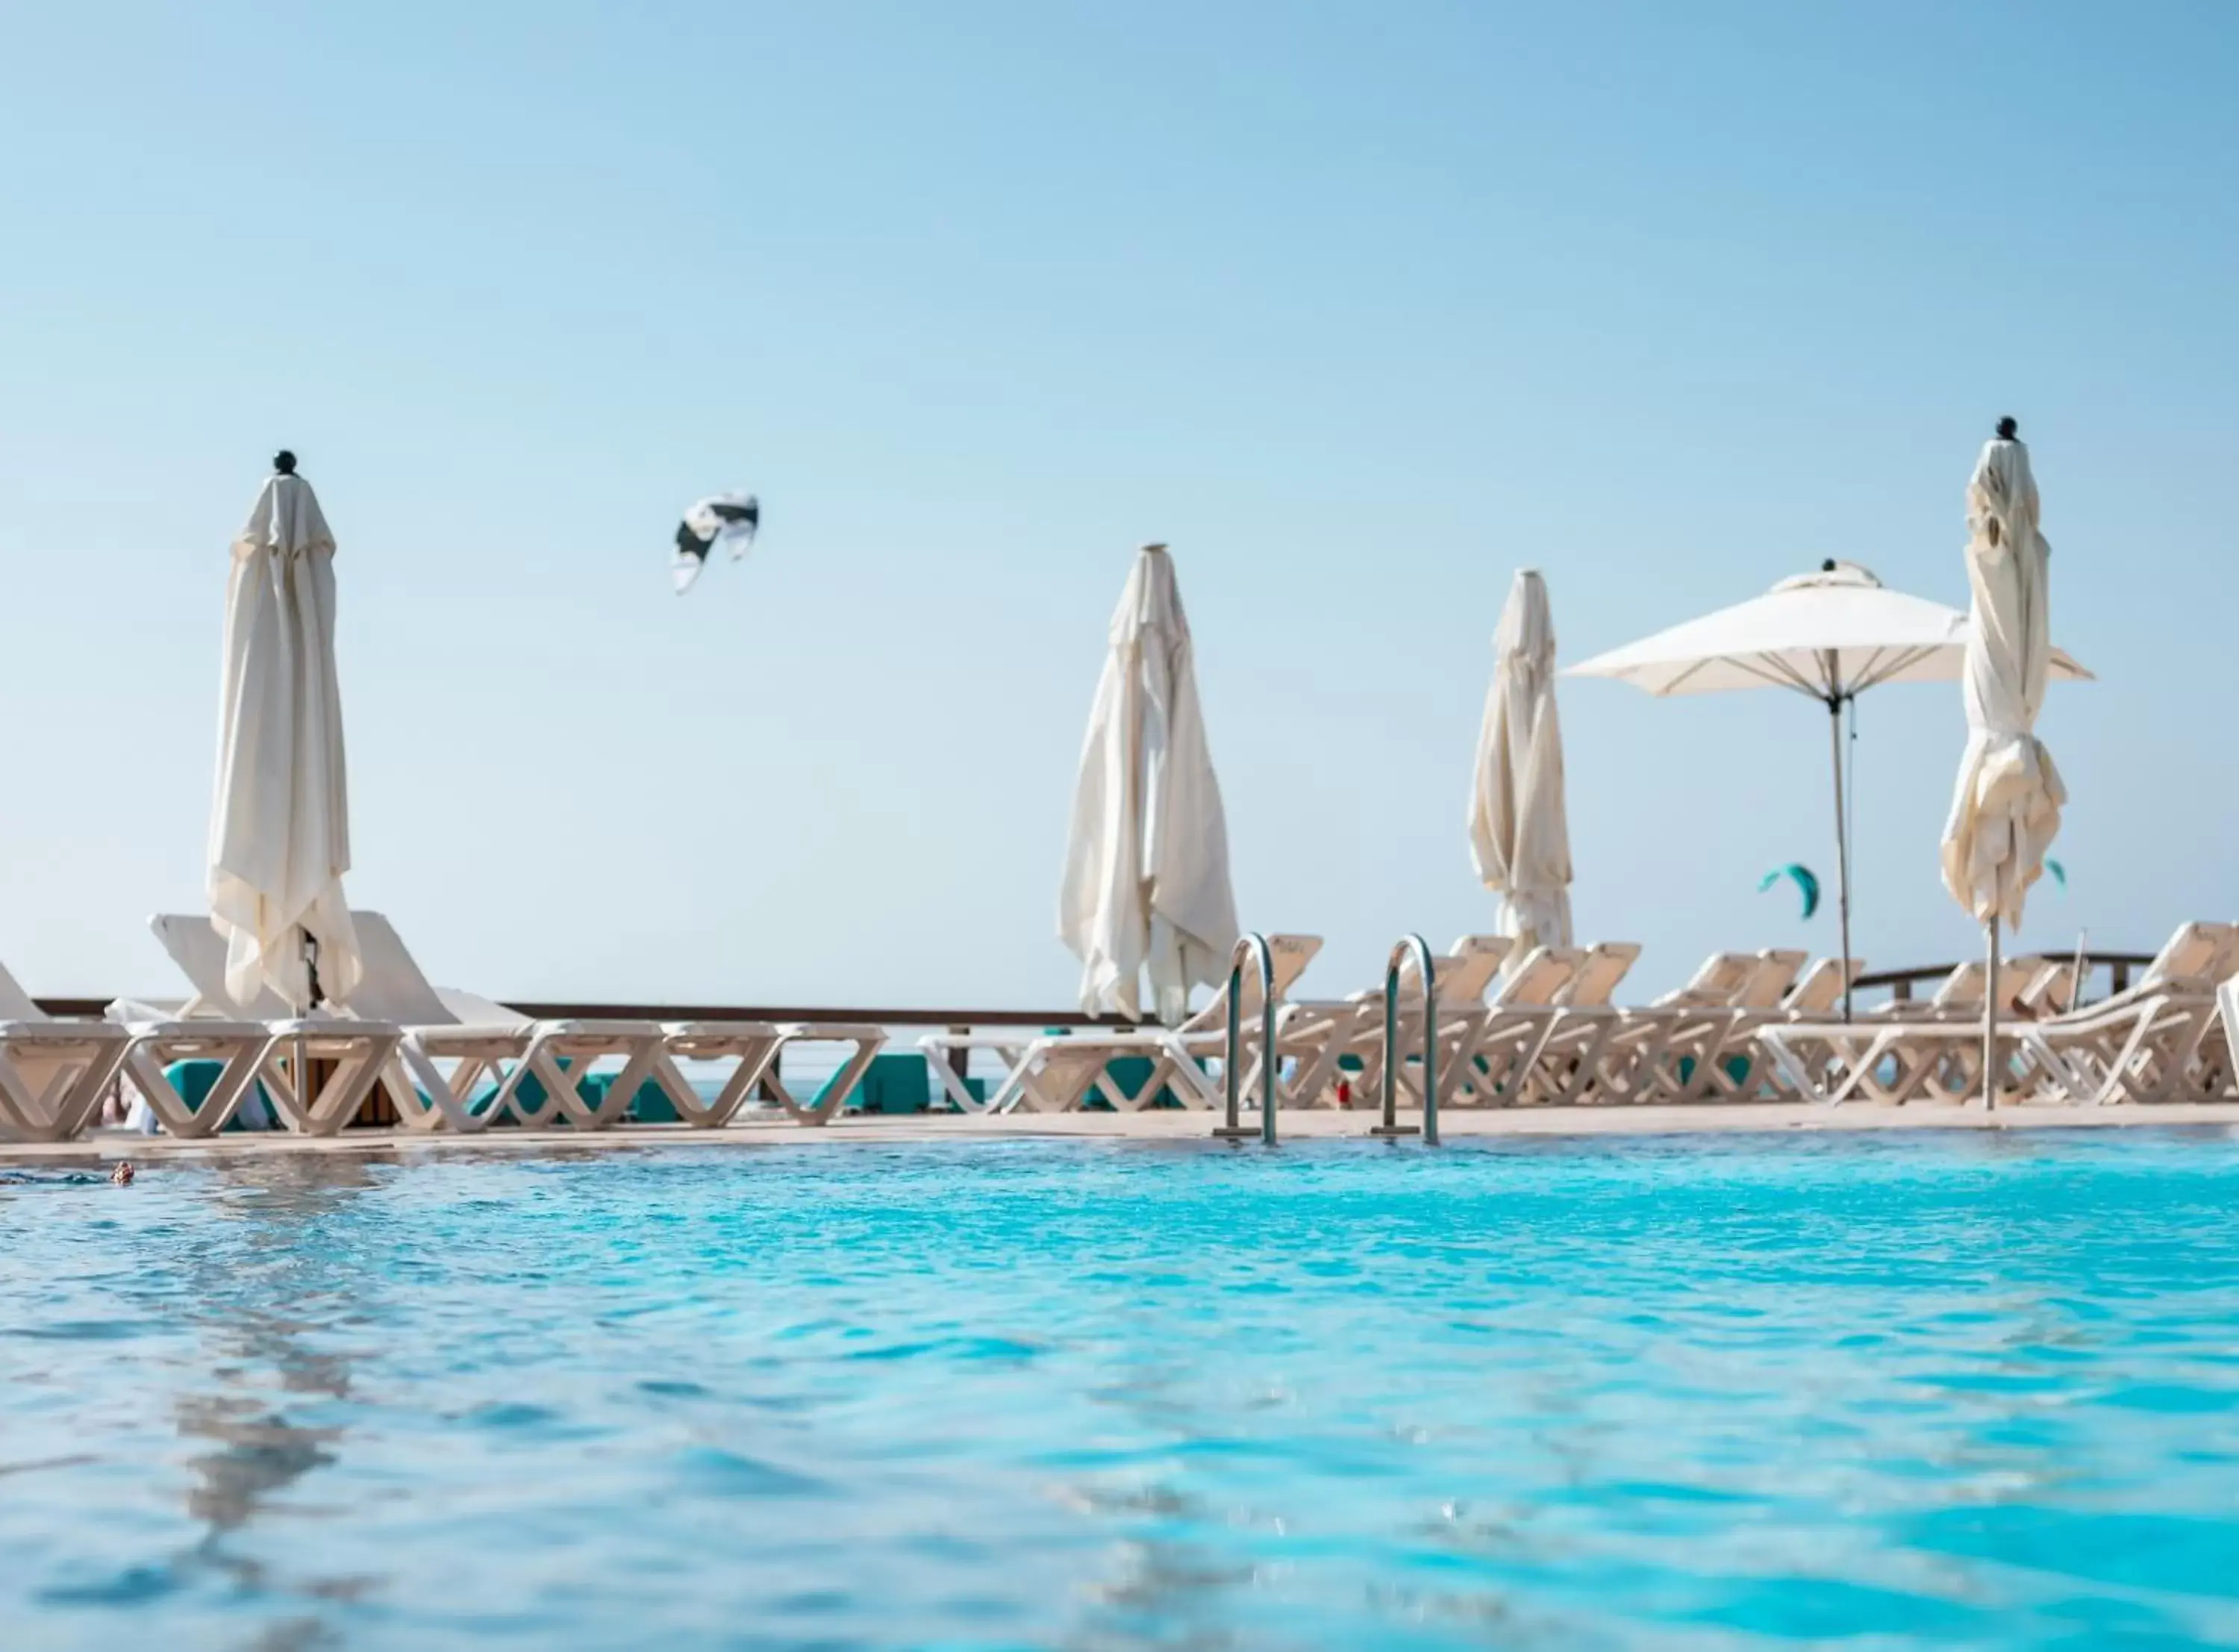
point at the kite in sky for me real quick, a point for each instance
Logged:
(1806, 882)
(724, 518)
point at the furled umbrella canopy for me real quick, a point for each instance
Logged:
(1519, 836)
(1147, 883)
(2006, 808)
(279, 841)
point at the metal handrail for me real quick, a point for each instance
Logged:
(1232, 1060)
(1392, 1128)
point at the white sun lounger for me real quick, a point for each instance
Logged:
(1821, 989)
(1671, 1049)
(1715, 1057)
(1059, 1073)
(1496, 1067)
(53, 1073)
(1947, 1069)
(1685, 1040)
(2140, 1045)
(1314, 1038)
(2149, 1043)
(2055, 990)
(2224, 1040)
(1734, 1068)
(1601, 971)
(236, 1038)
(391, 997)
(1590, 1046)
(486, 1041)
(509, 1048)
(354, 1051)
(753, 1048)
(1960, 994)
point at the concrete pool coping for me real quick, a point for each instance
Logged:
(1455, 1125)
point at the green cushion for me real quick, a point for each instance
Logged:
(1130, 1073)
(896, 1082)
(1738, 1068)
(194, 1080)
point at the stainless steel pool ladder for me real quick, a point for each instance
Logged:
(1232, 1059)
(1391, 1128)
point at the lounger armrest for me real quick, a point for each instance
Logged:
(58, 1029)
(599, 1029)
(331, 1027)
(2137, 992)
(199, 1026)
(465, 1032)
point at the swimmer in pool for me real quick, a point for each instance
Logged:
(121, 1177)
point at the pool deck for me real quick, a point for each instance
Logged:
(1455, 1125)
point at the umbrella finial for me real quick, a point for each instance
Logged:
(284, 462)
(1827, 566)
(2008, 430)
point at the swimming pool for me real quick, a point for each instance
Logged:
(1918, 1388)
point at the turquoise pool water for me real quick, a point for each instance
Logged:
(1931, 1390)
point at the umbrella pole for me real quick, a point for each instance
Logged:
(1990, 1023)
(303, 1090)
(1841, 844)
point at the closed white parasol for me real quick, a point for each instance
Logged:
(279, 841)
(1830, 636)
(2005, 811)
(1147, 883)
(1519, 838)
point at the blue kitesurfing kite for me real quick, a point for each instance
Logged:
(1805, 879)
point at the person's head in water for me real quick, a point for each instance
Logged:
(2008, 430)
(122, 1174)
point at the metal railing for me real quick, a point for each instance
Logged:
(1233, 1056)
(1391, 1128)
(540, 1010)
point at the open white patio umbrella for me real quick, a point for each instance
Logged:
(2006, 808)
(1146, 863)
(1519, 838)
(1829, 635)
(279, 839)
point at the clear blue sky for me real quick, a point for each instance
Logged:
(1361, 306)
